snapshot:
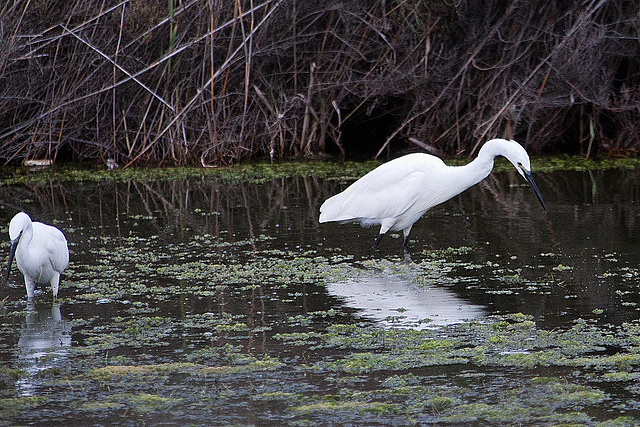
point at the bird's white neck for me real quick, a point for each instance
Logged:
(25, 239)
(480, 167)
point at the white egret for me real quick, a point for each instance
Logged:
(40, 250)
(397, 193)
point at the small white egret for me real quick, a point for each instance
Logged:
(397, 193)
(40, 250)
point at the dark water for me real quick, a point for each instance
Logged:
(579, 260)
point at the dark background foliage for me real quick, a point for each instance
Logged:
(219, 81)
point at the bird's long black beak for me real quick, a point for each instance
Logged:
(532, 183)
(12, 253)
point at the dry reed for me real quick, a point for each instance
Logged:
(210, 82)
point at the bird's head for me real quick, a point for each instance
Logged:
(17, 225)
(514, 152)
(519, 158)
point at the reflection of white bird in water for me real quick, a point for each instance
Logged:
(396, 194)
(45, 338)
(40, 250)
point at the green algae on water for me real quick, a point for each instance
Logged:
(256, 172)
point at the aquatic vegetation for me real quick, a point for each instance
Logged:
(9, 375)
(139, 403)
(166, 369)
(13, 406)
(256, 172)
(398, 361)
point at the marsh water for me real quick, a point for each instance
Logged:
(214, 302)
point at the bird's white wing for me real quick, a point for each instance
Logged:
(385, 192)
(54, 243)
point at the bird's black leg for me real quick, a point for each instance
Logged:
(377, 242)
(405, 243)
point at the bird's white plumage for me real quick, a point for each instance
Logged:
(388, 192)
(396, 194)
(41, 252)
